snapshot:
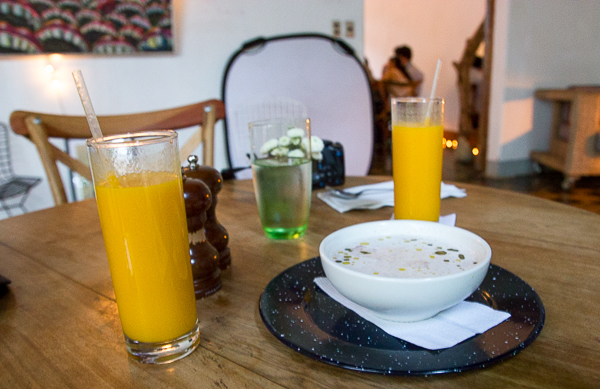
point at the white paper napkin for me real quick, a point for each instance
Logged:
(446, 329)
(449, 220)
(382, 197)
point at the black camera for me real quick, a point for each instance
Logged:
(330, 169)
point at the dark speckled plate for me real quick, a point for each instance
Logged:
(307, 320)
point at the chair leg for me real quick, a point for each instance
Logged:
(5, 208)
(22, 202)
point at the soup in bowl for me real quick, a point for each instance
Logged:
(405, 270)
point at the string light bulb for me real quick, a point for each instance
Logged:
(49, 68)
(475, 151)
(56, 83)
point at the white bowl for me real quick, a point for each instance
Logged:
(396, 295)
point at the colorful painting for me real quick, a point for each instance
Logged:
(108, 27)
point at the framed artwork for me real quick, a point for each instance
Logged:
(106, 27)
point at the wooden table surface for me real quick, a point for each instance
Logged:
(59, 325)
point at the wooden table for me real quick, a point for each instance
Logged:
(59, 325)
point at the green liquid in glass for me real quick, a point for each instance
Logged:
(283, 193)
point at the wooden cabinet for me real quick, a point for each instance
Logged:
(575, 137)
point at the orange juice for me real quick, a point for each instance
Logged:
(417, 163)
(146, 238)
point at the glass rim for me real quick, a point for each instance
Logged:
(132, 139)
(417, 100)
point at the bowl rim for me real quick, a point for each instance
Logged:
(387, 279)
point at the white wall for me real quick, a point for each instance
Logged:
(537, 44)
(206, 34)
(434, 29)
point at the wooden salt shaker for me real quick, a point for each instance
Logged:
(204, 257)
(216, 234)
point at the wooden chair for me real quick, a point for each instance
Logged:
(38, 127)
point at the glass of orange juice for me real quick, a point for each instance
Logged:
(417, 132)
(139, 192)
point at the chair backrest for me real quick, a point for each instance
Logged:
(38, 127)
(253, 110)
(260, 109)
(318, 71)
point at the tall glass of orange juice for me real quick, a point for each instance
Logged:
(417, 132)
(139, 192)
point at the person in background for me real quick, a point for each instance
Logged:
(404, 55)
(397, 80)
(402, 78)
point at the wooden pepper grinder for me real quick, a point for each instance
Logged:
(216, 234)
(204, 257)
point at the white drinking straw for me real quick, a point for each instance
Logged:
(438, 66)
(87, 105)
(432, 95)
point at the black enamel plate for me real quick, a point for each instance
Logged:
(307, 320)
